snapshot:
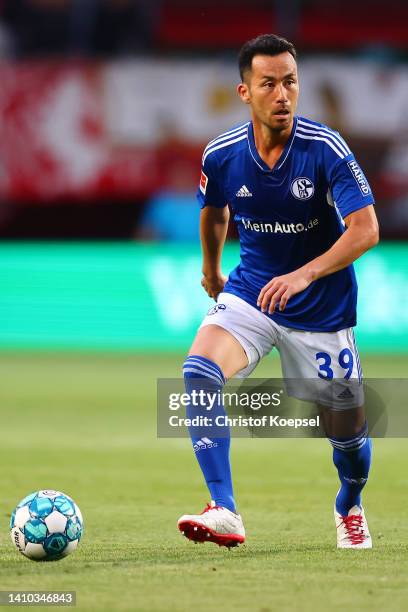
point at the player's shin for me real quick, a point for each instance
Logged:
(352, 457)
(204, 382)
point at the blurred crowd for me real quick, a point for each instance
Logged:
(33, 28)
(60, 122)
(100, 28)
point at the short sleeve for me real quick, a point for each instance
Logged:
(210, 191)
(349, 187)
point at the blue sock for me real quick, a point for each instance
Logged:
(212, 451)
(352, 457)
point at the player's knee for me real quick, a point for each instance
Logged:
(347, 423)
(221, 348)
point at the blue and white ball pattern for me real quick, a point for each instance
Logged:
(46, 525)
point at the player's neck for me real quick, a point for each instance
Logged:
(270, 143)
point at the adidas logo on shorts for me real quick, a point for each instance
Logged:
(346, 394)
(244, 192)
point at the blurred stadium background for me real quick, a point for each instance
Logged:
(105, 107)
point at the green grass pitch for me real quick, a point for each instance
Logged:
(85, 424)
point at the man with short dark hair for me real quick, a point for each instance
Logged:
(304, 213)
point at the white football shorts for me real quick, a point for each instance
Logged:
(321, 367)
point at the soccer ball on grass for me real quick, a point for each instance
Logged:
(46, 525)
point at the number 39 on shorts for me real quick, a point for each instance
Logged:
(345, 360)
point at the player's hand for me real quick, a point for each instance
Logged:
(214, 284)
(281, 289)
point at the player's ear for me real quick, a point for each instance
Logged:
(243, 92)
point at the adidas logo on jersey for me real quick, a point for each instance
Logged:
(244, 192)
(204, 443)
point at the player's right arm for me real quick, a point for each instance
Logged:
(213, 223)
(213, 231)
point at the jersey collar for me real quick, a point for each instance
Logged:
(258, 159)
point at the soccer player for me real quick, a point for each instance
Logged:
(304, 212)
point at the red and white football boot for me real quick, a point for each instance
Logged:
(352, 530)
(215, 524)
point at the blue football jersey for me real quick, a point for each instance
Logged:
(289, 215)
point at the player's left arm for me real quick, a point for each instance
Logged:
(360, 236)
